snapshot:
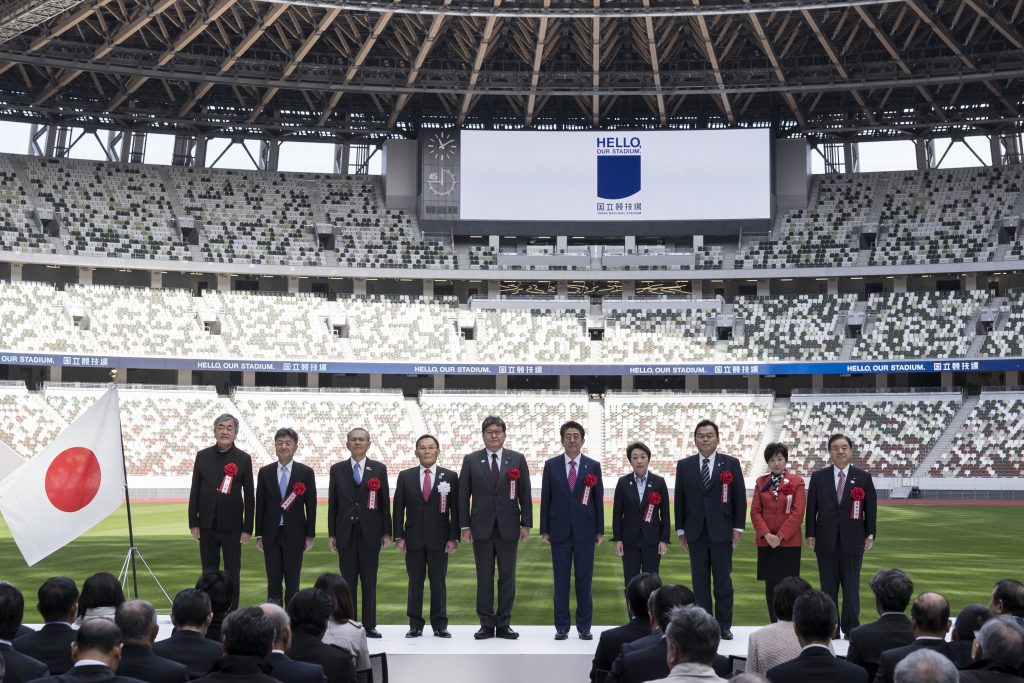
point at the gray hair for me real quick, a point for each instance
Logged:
(136, 619)
(225, 417)
(748, 677)
(358, 429)
(1001, 642)
(926, 666)
(279, 618)
(694, 634)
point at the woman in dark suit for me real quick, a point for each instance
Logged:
(777, 512)
(640, 515)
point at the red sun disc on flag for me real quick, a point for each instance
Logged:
(73, 479)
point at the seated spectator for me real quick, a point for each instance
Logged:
(19, 667)
(926, 666)
(58, 605)
(609, 645)
(998, 653)
(929, 619)
(777, 643)
(966, 625)
(1008, 599)
(23, 630)
(342, 629)
(191, 614)
(248, 638)
(101, 594)
(96, 653)
(137, 621)
(221, 589)
(309, 611)
(283, 667)
(816, 621)
(693, 637)
(893, 590)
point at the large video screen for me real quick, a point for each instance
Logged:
(615, 175)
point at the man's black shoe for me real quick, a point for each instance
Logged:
(484, 633)
(506, 632)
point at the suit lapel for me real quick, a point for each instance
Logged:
(634, 491)
(485, 468)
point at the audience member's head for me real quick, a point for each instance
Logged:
(282, 626)
(58, 599)
(969, 621)
(309, 610)
(785, 595)
(638, 591)
(1000, 641)
(1008, 598)
(925, 666)
(137, 621)
(815, 618)
(98, 639)
(667, 598)
(12, 610)
(893, 590)
(692, 635)
(248, 632)
(929, 616)
(99, 590)
(337, 590)
(191, 610)
(221, 588)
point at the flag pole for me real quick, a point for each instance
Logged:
(127, 499)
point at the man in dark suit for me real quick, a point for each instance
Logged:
(1008, 600)
(285, 516)
(248, 639)
(841, 517)
(929, 619)
(359, 522)
(961, 648)
(19, 667)
(572, 521)
(96, 652)
(283, 667)
(609, 645)
(711, 512)
(998, 653)
(137, 621)
(426, 532)
(893, 590)
(191, 613)
(496, 513)
(58, 605)
(221, 502)
(309, 612)
(815, 620)
(640, 526)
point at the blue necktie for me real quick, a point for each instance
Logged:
(356, 475)
(283, 483)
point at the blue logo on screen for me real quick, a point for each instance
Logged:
(618, 167)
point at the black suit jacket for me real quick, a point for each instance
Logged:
(210, 509)
(816, 664)
(23, 631)
(481, 503)
(830, 522)
(299, 518)
(609, 645)
(697, 510)
(336, 662)
(960, 652)
(288, 670)
(651, 663)
(890, 658)
(986, 672)
(51, 645)
(141, 662)
(238, 669)
(197, 652)
(93, 673)
(422, 524)
(868, 642)
(628, 512)
(20, 667)
(347, 504)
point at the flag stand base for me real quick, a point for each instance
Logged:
(122, 576)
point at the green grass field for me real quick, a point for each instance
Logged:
(958, 551)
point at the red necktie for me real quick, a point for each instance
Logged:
(572, 475)
(426, 485)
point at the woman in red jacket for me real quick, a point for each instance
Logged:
(777, 512)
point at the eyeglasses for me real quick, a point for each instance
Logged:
(494, 432)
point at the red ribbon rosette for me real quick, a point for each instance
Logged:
(230, 470)
(857, 495)
(513, 476)
(653, 500)
(589, 482)
(372, 485)
(788, 490)
(298, 489)
(726, 478)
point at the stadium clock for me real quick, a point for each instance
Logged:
(442, 146)
(441, 182)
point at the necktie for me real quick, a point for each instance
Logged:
(426, 485)
(840, 486)
(356, 475)
(572, 475)
(705, 474)
(283, 481)
(494, 468)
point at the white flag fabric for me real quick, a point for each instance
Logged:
(72, 485)
(9, 460)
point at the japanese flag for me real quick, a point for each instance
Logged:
(68, 488)
(9, 460)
